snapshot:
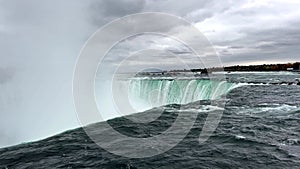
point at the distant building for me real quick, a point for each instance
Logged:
(290, 69)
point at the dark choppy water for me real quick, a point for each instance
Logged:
(259, 129)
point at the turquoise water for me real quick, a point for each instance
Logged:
(157, 92)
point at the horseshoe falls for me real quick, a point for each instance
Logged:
(148, 93)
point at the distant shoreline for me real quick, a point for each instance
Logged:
(263, 68)
(266, 67)
(288, 67)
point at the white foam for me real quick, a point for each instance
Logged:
(283, 107)
(240, 137)
(270, 108)
(202, 109)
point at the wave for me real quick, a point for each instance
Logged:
(275, 108)
(269, 108)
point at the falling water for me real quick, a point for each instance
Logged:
(157, 92)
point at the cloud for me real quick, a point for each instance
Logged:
(268, 29)
(102, 12)
(6, 74)
(117, 8)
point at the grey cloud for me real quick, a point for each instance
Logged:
(176, 7)
(119, 8)
(181, 52)
(6, 74)
(103, 11)
(273, 44)
(235, 47)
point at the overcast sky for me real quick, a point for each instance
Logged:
(40, 41)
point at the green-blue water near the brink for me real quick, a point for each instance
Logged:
(157, 92)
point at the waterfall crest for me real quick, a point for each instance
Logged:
(157, 92)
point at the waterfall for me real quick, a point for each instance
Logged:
(150, 93)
